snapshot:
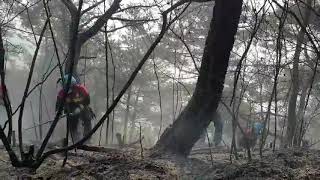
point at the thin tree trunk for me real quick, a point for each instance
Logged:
(113, 91)
(107, 76)
(5, 96)
(34, 123)
(76, 60)
(133, 116)
(126, 118)
(279, 47)
(261, 99)
(40, 112)
(197, 115)
(292, 117)
(300, 112)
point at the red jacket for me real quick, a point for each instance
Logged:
(79, 95)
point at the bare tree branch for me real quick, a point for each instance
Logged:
(132, 20)
(88, 21)
(255, 29)
(5, 97)
(117, 19)
(25, 95)
(6, 140)
(134, 7)
(181, 2)
(71, 7)
(188, 49)
(95, 28)
(19, 13)
(127, 25)
(48, 14)
(315, 11)
(92, 7)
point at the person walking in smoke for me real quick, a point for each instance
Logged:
(76, 106)
(251, 135)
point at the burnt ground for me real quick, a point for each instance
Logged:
(128, 164)
(284, 164)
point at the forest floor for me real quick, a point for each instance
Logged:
(128, 164)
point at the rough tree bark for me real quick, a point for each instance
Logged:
(197, 115)
(292, 116)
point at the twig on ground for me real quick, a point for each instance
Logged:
(97, 149)
(140, 137)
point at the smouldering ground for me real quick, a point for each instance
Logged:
(127, 164)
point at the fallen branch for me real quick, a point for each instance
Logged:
(208, 150)
(317, 142)
(97, 149)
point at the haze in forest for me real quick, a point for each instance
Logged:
(171, 80)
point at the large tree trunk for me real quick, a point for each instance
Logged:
(292, 117)
(195, 118)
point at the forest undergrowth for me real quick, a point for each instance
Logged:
(129, 164)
